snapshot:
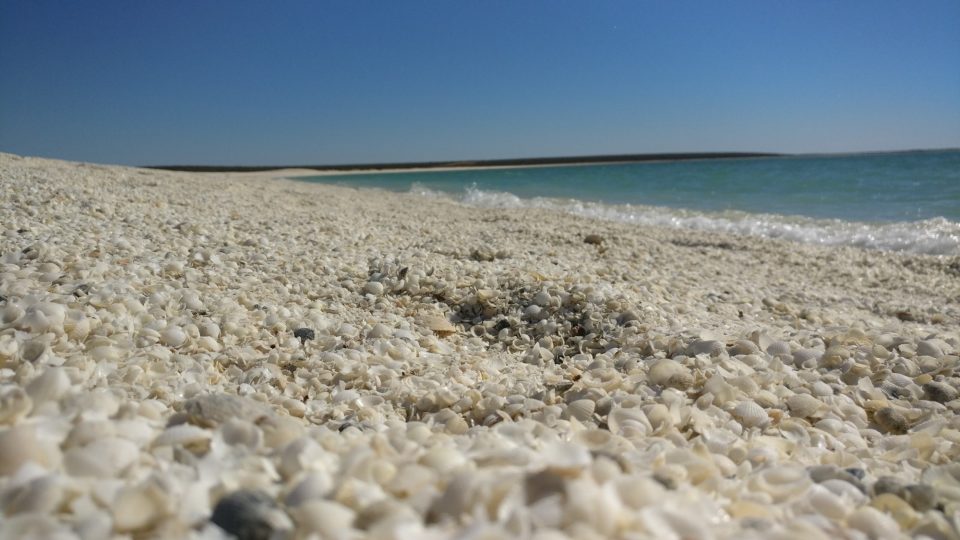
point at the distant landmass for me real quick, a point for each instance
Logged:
(569, 160)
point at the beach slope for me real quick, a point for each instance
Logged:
(183, 354)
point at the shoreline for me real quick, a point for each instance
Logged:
(331, 359)
(481, 164)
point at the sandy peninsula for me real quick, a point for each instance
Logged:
(187, 355)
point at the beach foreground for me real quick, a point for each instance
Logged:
(186, 354)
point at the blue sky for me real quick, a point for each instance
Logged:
(256, 82)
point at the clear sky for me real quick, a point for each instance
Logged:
(309, 82)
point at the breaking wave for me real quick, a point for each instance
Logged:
(935, 236)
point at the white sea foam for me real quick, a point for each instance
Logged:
(936, 236)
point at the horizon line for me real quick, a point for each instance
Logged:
(519, 162)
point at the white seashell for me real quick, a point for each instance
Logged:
(183, 434)
(210, 410)
(708, 347)
(781, 482)
(369, 401)
(806, 357)
(565, 458)
(346, 396)
(670, 373)
(240, 432)
(101, 458)
(803, 405)
(33, 350)
(210, 329)
(346, 330)
(41, 495)
(873, 523)
(443, 459)
(298, 455)
(373, 287)
(20, 445)
(721, 390)
(542, 299)
(173, 336)
(744, 346)
(410, 480)
(581, 409)
(659, 416)
(139, 507)
(929, 348)
(779, 347)
(328, 519)
(76, 325)
(35, 526)
(309, 486)
(749, 414)
(630, 423)
(207, 343)
(49, 386)
(105, 353)
(10, 314)
(379, 330)
(827, 504)
(44, 317)
(15, 404)
(440, 325)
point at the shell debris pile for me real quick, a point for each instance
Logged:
(230, 355)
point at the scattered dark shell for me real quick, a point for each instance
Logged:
(304, 334)
(594, 239)
(939, 392)
(921, 497)
(483, 255)
(249, 515)
(888, 484)
(81, 290)
(857, 472)
(891, 420)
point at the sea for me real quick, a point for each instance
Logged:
(903, 201)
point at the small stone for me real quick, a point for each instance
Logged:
(373, 287)
(250, 515)
(856, 472)
(939, 392)
(888, 484)
(929, 348)
(921, 497)
(891, 420)
(594, 239)
(483, 255)
(822, 473)
(210, 410)
(304, 335)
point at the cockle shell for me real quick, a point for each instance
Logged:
(749, 414)
(670, 373)
(803, 405)
(440, 325)
(631, 423)
(581, 409)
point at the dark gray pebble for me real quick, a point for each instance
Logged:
(594, 239)
(939, 391)
(250, 515)
(888, 484)
(822, 473)
(304, 334)
(857, 472)
(82, 290)
(921, 497)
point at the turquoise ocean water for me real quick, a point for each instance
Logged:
(899, 201)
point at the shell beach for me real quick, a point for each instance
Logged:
(217, 355)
